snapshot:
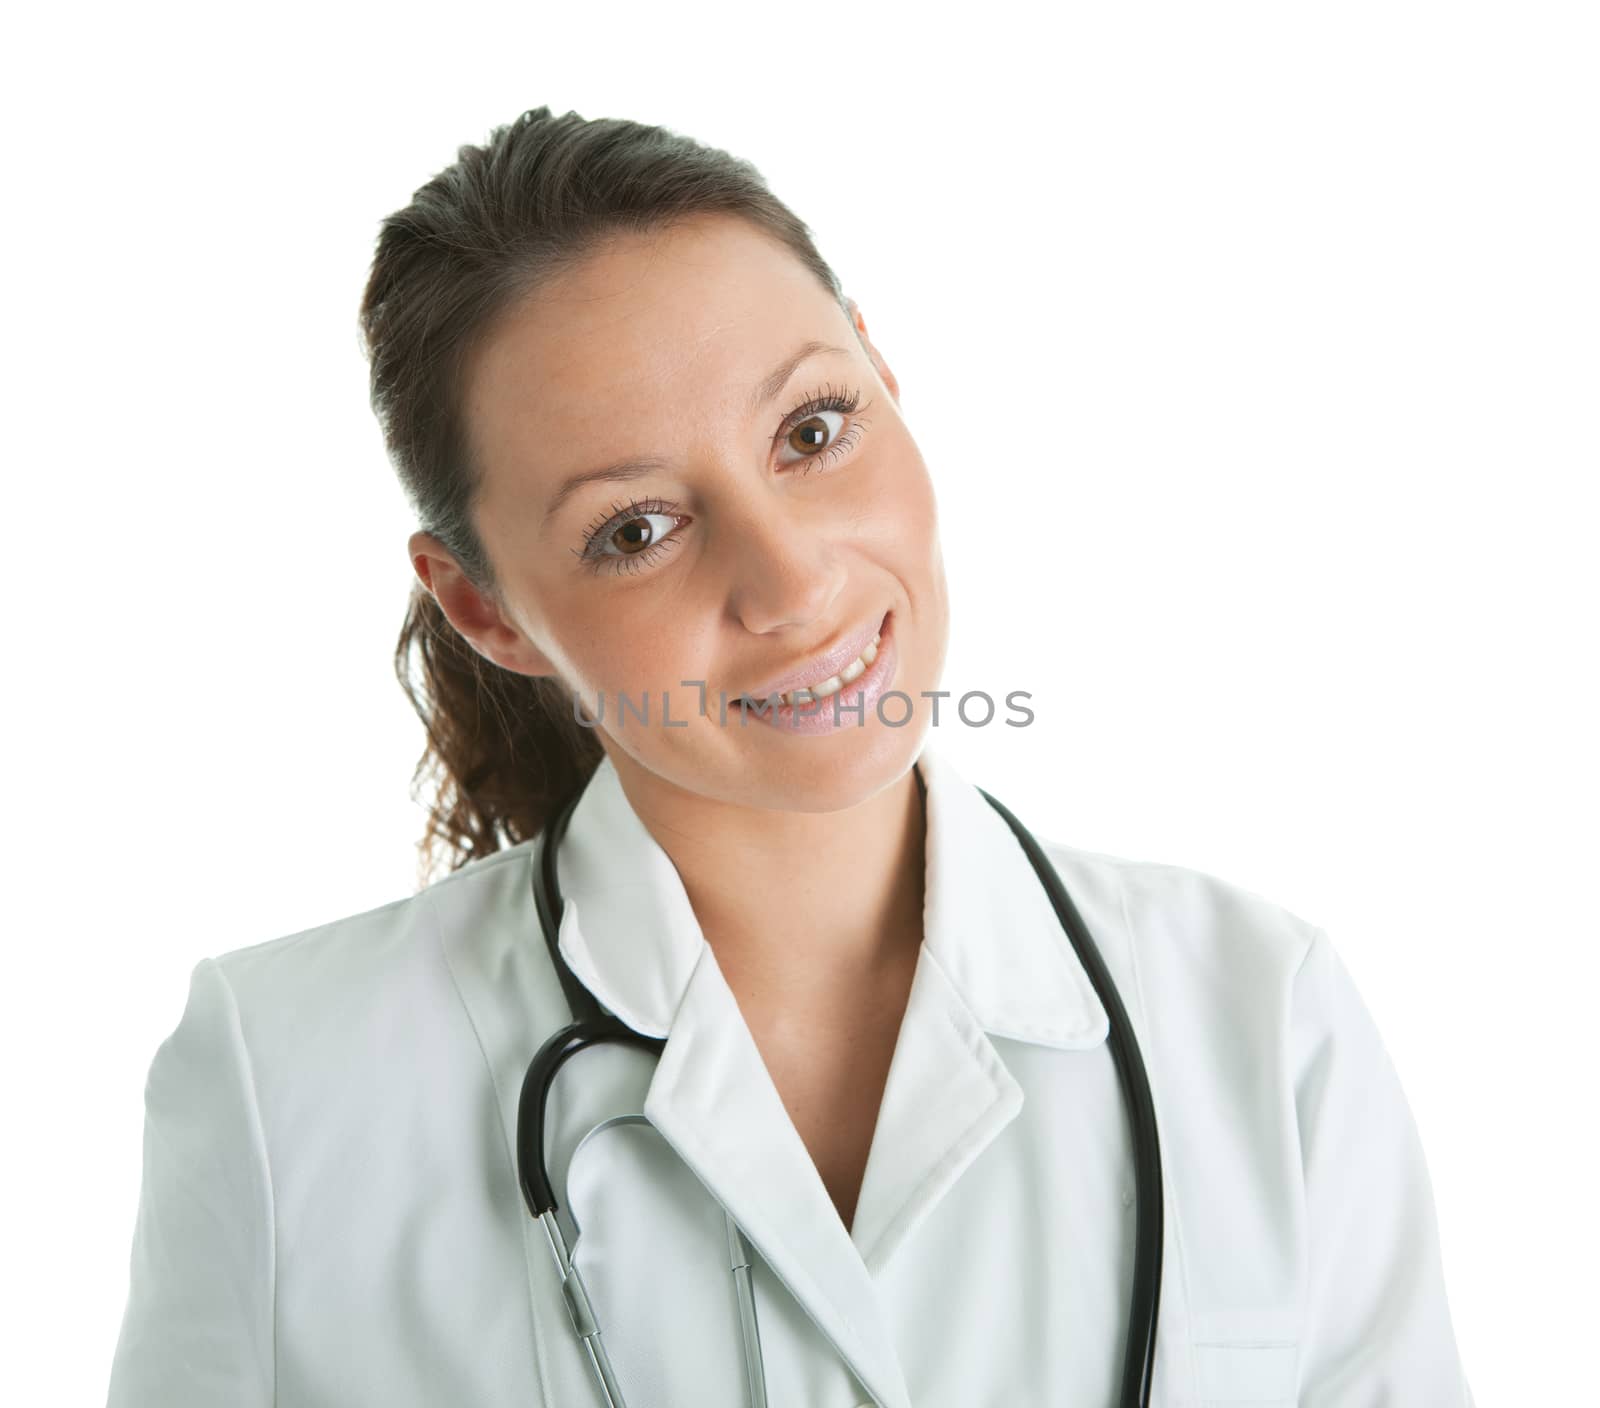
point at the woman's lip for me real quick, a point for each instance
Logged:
(856, 699)
(824, 667)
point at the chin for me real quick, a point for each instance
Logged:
(829, 774)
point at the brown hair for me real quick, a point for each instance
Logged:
(535, 199)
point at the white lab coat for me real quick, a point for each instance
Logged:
(330, 1217)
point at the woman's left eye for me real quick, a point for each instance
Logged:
(816, 429)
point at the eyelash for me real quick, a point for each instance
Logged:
(825, 399)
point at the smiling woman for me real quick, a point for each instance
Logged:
(867, 1080)
(632, 310)
(778, 509)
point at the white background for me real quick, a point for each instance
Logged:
(1253, 350)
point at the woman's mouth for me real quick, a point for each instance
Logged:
(834, 683)
(828, 704)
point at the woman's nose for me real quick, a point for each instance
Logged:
(785, 566)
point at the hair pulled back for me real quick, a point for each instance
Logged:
(504, 749)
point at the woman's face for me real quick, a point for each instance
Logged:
(770, 523)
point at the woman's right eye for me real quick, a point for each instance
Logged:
(630, 536)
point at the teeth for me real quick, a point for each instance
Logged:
(833, 684)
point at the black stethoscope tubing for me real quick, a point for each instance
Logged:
(592, 1024)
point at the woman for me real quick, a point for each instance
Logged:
(662, 473)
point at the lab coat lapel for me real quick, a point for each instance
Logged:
(714, 1102)
(994, 960)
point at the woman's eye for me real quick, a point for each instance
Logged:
(822, 428)
(642, 531)
(814, 434)
(635, 536)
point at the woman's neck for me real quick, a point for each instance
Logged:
(806, 902)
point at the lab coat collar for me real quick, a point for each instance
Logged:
(994, 961)
(629, 932)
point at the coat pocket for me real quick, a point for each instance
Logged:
(1247, 1357)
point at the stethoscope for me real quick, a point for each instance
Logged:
(592, 1024)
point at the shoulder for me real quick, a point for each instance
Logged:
(1189, 924)
(334, 974)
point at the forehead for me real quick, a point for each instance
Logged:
(682, 320)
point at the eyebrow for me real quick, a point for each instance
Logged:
(623, 471)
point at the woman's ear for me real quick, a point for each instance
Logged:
(881, 366)
(477, 616)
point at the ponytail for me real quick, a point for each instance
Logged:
(503, 750)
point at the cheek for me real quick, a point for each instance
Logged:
(902, 497)
(645, 647)
(587, 644)
(912, 544)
